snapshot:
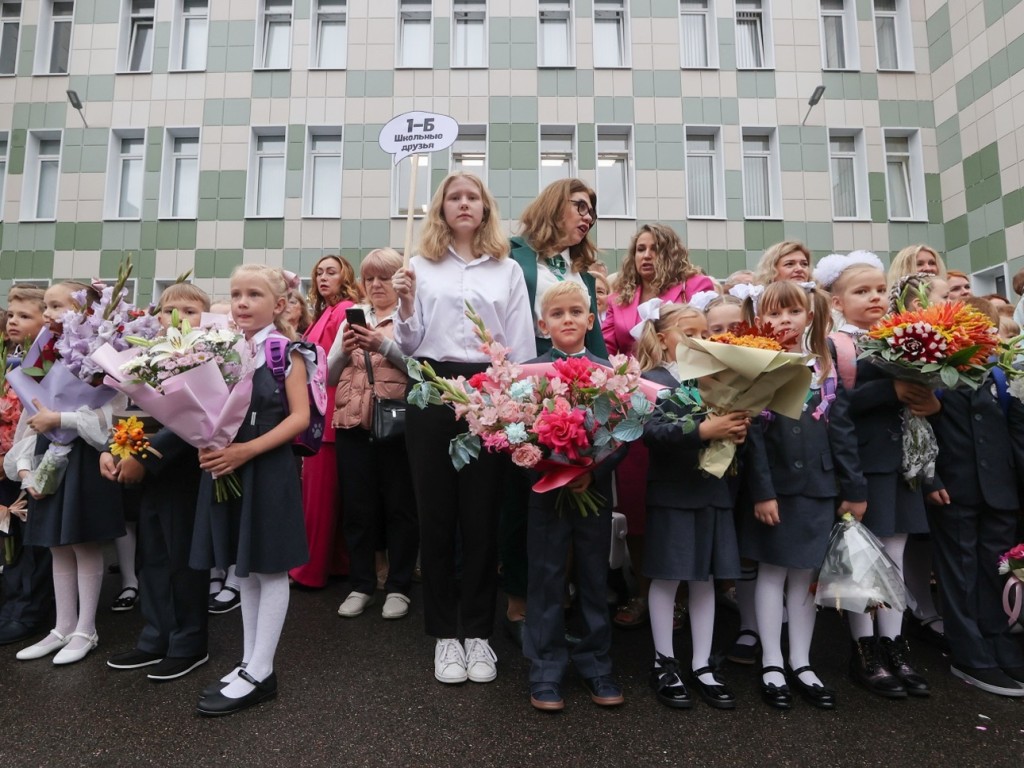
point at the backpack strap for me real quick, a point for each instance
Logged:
(276, 350)
(846, 357)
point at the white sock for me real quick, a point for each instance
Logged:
(271, 611)
(771, 582)
(890, 622)
(802, 613)
(89, 558)
(125, 547)
(661, 606)
(702, 625)
(745, 588)
(218, 574)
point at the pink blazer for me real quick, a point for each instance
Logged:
(323, 332)
(620, 320)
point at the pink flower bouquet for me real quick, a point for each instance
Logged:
(1012, 563)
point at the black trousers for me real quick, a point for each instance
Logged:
(968, 541)
(377, 496)
(28, 582)
(454, 504)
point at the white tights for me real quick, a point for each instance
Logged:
(779, 588)
(889, 621)
(661, 606)
(264, 607)
(77, 579)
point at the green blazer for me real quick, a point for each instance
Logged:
(526, 257)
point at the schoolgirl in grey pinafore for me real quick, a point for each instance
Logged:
(263, 531)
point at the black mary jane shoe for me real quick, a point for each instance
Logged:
(218, 685)
(218, 704)
(716, 694)
(777, 696)
(816, 695)
(668, 687)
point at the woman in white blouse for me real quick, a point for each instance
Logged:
(463, 258)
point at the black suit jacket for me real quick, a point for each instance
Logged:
(878, 417)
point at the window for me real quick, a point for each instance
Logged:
(274, 35)
(611, 34)
(4, 140)
(849, 174)
(614, 171)
(400, 179)
(754, 48)
(904, 175)
(839, 35)
(762, 177)
(189, 34)
(330, 42)
(53, 38)
(893, 37)
(469, 33)
(179, 175)
(125, 167)
(698, 41)
(705, 172)
(10, 28)
(322, 189)
(415, 41)
(136, 44)
(556, 42)
(42, 176)
(267, 173)
(469, 152)
(557, 153)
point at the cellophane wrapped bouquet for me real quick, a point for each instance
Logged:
(857, 575)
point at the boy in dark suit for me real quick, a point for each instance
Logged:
(566, 316)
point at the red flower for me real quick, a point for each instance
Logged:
(561, 430)
(478, 380)
(574, 371)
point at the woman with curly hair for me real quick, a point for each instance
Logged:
(788, 260)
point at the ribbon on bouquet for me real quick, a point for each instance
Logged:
(1013, 598)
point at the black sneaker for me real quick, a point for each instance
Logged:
(134, 659)
(172, 668)
(992, 680)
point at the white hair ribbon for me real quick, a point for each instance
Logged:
(649, 310)
(701, 299)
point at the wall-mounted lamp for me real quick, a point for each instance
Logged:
(76, 103)
(812, 102)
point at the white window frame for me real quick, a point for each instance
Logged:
(32, 282)
(551, 11)
(5, 154)
(254, 178)
(995, 279)
(45, 38)
(774, 170)
(617, 10)
(31, 174)
(400, 187)
(551, 144)
(710, 35)
(168, 173)
(717, 155)
(7, 21)
(327, 11)
(264, 19)
(615, 133)
(412, 11)
(904, 36)
(860, 173)
(764, 10)
(179, 25)
(309, 170)
(116, 159)
(465, 12)
(471, 145)
(132, 20)
(851, 44)
(914, 173)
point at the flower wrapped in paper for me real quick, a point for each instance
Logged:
(741, 377)
(1012, 564)
(857, 575)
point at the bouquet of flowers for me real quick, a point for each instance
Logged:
(1012, 563)
(560, 419)
(941, 346)
(197, 383)
(746, 370)
(59, 374)
(857, 575)
(10, 406)
(129, 439)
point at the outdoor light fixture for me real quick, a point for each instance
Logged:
(76, 103)
(811, 102)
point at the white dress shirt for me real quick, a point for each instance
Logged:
(438, 328)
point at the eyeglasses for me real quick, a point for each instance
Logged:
(583, 209)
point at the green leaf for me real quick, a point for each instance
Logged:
(963, 356)
(413, 367)
(602, 408)
(420, 394)
(950, 377)
(641, 404)
(602, 437)
(628, 430)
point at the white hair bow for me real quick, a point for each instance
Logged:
(701, 299)
(744, 291)
(649, 310)
(832, 266)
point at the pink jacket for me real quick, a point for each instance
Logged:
(620, 320)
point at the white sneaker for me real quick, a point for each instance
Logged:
(480, 660)
(354, 604)
(449, 661)
(396, 606)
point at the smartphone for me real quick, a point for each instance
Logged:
(355, 316)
